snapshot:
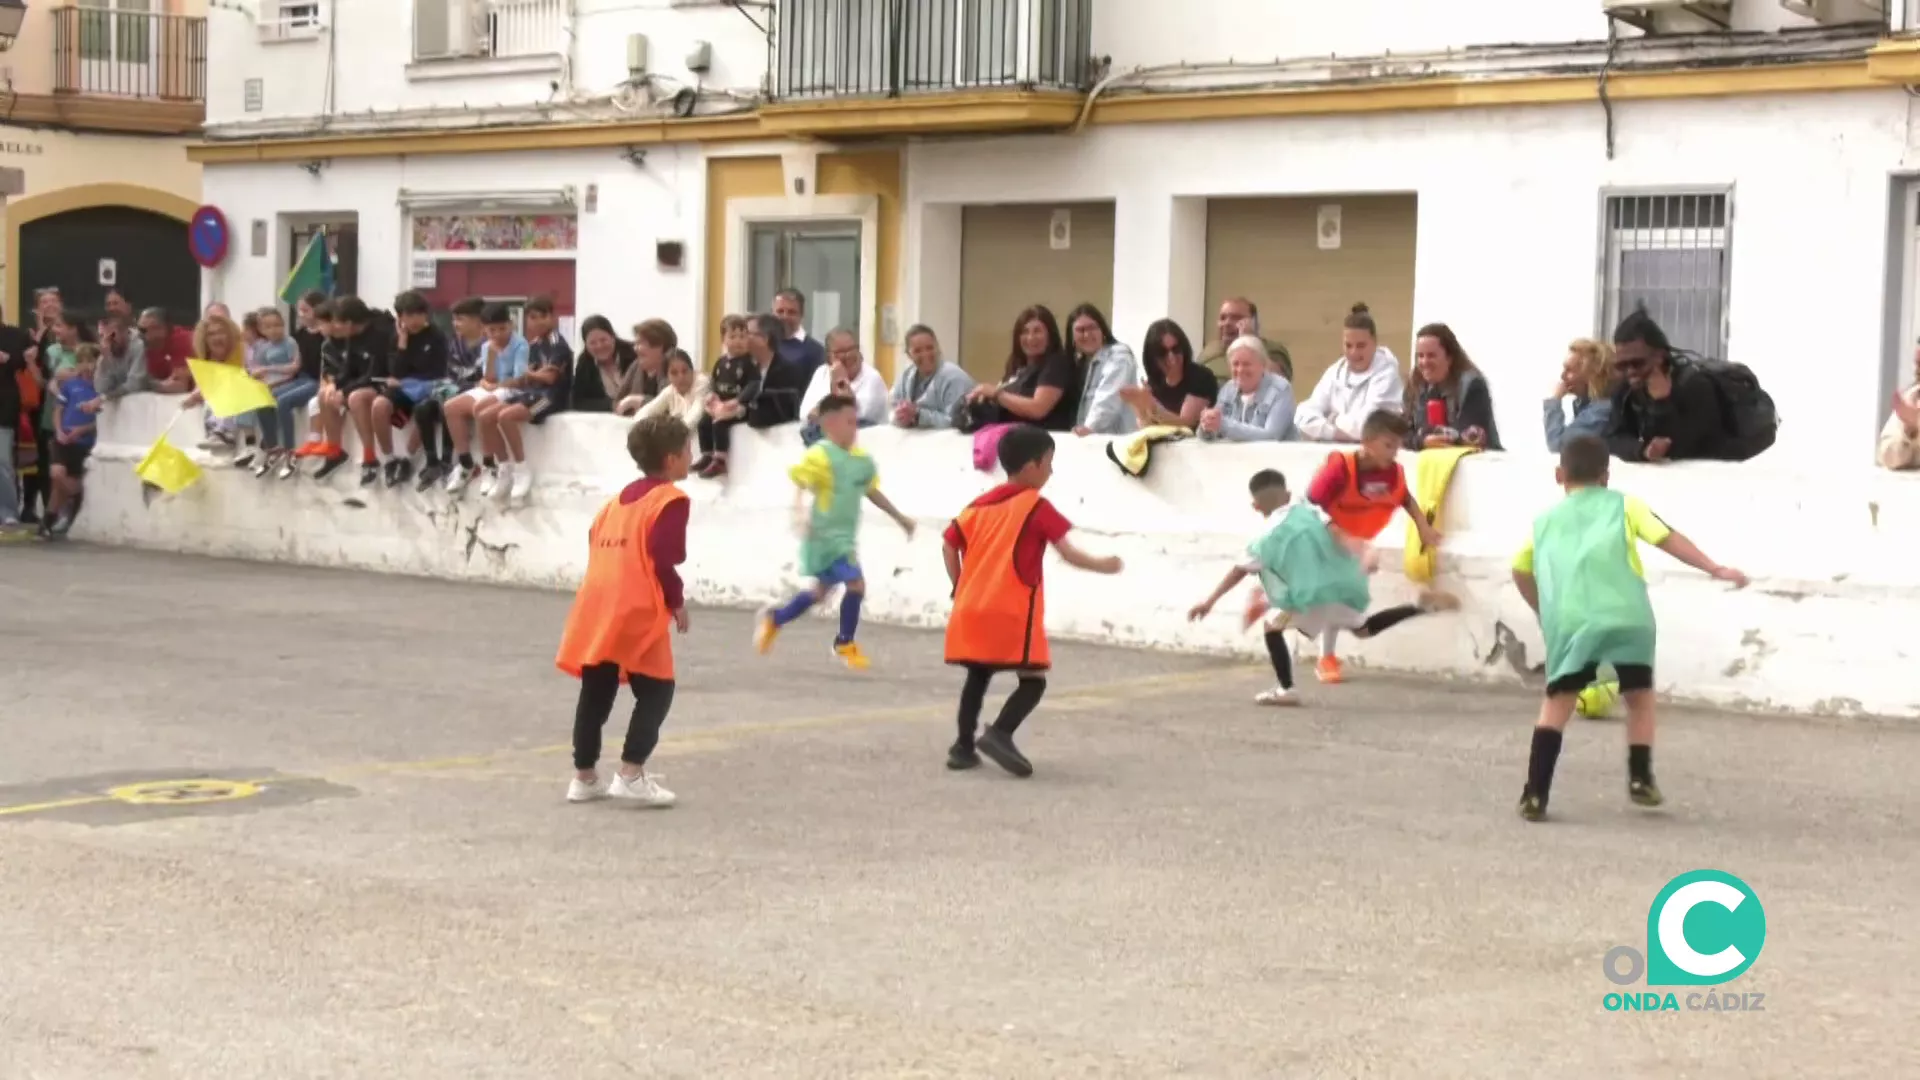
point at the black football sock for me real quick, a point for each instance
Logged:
(1546, 754)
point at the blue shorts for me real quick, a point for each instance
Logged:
(840, 572)
(417, 390)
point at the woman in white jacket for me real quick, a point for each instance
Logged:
(1367, 378)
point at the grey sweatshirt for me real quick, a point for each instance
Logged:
(934, 396)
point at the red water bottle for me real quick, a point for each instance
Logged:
(1436, 413)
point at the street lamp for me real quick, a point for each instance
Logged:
(12, 14)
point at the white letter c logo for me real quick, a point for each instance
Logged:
(1673, 934)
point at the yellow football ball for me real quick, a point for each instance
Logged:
(1596, 701)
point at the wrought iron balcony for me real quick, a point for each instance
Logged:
(103, 52)
(894, 48)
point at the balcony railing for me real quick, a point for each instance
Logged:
(100, 52)
(890, 48)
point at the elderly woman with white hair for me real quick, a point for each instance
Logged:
(1255, 403)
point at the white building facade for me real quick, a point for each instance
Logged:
(1747, 169)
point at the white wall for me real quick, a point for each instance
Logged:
(1826, 626)
(373, 40)
(1509, 226)
(616, 274)
(1139, 34)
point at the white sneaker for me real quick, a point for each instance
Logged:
(458, 479)
(491, 482)
(581, 791)
(644, 789)
(503, 483)
(1277, 696)
(522, 484)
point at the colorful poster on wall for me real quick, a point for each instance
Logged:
(495, 232)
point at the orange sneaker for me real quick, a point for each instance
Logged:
(1329, 670)
(311, 448)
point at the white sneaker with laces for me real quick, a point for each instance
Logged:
(522, 484)
(644, 789)
(1278, 696)
(581, 791)
(503, 483)
(490, 482)
(457, 479)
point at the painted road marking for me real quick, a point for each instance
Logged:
(200, 791)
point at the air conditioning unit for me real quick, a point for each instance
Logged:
(1839, 12)
(1643, 13)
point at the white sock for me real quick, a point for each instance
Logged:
(1327, 639)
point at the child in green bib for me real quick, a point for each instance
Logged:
(1313, 578)
(1581, 574)
(840, 477)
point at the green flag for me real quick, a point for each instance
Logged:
(313, 271)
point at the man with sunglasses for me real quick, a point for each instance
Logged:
(1663, 411)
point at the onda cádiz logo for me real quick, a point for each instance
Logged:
(1705, 929)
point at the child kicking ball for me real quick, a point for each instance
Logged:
(1581, 573)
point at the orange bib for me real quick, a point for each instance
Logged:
(620, 614)
(998, 620)
(1356, 512)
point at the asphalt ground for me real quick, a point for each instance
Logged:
(263, 820)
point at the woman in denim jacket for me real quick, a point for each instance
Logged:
(1256, 403)
(1106, 368)
(1587, 376)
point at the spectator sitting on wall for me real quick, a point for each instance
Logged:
(1238, 318)
(782, 382)
(276, 362)
(600, 373)
(1178, 390)
(1107, 370)
(1586, 376)
(1900, 440)
(653, 342)
(123, 360)
(446, 442)
(309, 338)
(1256, 404)
(1040, 385)
(736, 378)
(168, 348)
(1666, 409)
(847, 374)
(503, 360)
(683, 395)
(116, 307)
(217, 340)
(805, 354)
(417, 367)
(502, 417)
(549, 365)
(930, 387)
(1447, 400)
(1363, 381)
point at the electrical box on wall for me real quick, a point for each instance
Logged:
(700, 58)
(636, 55)
(670, 254)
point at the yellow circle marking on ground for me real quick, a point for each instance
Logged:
(183, 792)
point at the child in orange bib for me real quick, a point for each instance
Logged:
(994, 551)
(1360, 490)
(629, 604)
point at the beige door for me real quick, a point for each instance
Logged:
(1269, 250)
(1009, 261)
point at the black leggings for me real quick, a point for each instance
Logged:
(435, 439)
(599, 687)
(1020, 704)
(716, 436)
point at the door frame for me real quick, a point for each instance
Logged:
(743, 214)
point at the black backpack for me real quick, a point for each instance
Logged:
(1747, 413)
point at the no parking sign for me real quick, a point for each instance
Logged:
(207, 236)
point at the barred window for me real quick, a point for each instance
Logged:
(1670, 253)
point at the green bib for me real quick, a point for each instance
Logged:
(1594, 607)
(1303, 567)
(833, 531)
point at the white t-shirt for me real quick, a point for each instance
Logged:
(869, 391)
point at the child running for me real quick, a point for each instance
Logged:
(1313, 578)
(1581, 574)
(623, 618)
(1359, 490)
(838, 475)
(994, 552)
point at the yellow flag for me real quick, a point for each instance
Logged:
(167, 468)
(228, 390)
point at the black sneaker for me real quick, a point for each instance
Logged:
(1000, 750)
(962, 757)
(1532, 807)
(329, 466)
(369, 473)
(430, 476)
(403, 469)
(1644, 792)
